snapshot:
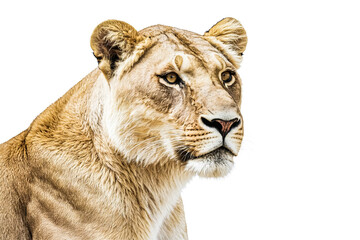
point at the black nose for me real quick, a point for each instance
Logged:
(224, 127)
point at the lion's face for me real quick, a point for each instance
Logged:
(179, 100)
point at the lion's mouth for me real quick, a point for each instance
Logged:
(216, 155)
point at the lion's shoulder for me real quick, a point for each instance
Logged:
(13, 162)
(12, 152)
(13, 188)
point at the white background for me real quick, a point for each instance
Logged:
(298, 173)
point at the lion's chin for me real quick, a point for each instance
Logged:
(215, 164)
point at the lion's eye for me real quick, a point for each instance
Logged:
(226, 76)
(171, 77)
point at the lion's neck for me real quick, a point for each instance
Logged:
(146, 194)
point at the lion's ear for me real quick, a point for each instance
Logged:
(229, 37)
(112, 42)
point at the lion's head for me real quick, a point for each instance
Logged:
(174, 95)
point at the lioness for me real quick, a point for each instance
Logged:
(108, 160)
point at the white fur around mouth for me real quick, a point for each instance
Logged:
(217, 163)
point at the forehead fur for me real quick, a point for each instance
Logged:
(178, 61)
(189, 43)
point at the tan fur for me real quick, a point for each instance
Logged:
(178, 61)
(229, 36)
(108, 160)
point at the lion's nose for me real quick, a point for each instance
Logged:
(223, 126)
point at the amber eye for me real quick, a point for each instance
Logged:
(226, 76)
(171, 77)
